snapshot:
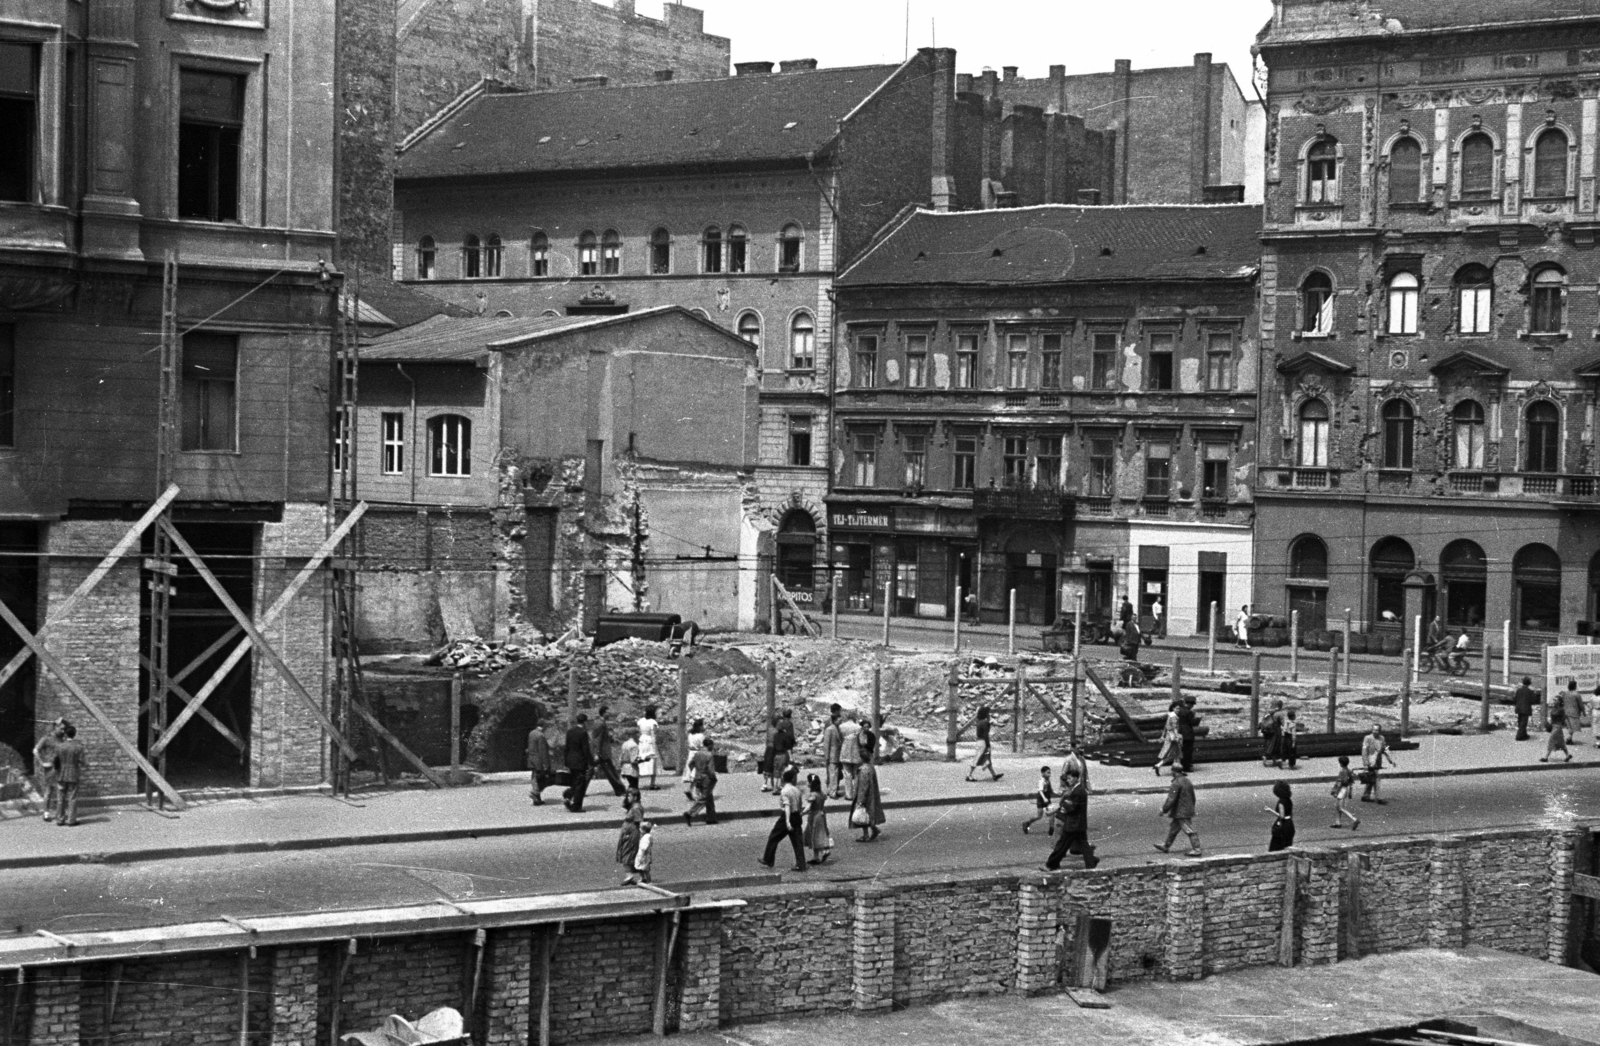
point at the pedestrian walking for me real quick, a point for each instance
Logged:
(628, 837)
(1594, 715)
(1171, 739)
(702, 776)
(579, 760)
(818, 838)
(1179, 811)
(1132, 639)
(645, 858)
(832, 749)
(769, 773)
(788, 822)
(1043, 799)
(849, 754)
(1272, 734)
(1282, 818)
(541, 769)
(867, 743)
(1076, 758)
(629, 766)
(697, 735)
(1557, 741)
(1072, 818)
(1241, 628)
(600, 745)
(1289, 746)
(44, 766)
(1523, 702)
(1125, 612)
(1343, 784)
(783, 742)
(70, 763)
(648, 756)
(1158, 617)
(1572, 708)
(1187, 721)
(866, 813)
(985, 756)
(1374, 750)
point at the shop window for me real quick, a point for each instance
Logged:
(394, 443)
(210, 122)
(1399, 422)
(1405, 171)
(450, 445)
(1103, 362)
(210, 392)
(610, 253)
(1050, 362)
(660, 253)
(1014, 460)
(800, 440)
(588, 254)
(539, 255)
(1047, 465)
(866, 361)
(789, 241)
(1316, 304)
(865, 459)
(1549, 290)
(1102, 467)
(916, 361)
(427, 258)
(1160, 373)
(966, 462)
(19, 121)
(1477, 165)
(966, 361)
(711, 250)
(738, 249)
(1322, 172)
(1308, 559)
(1550, 164)
(1158, 470)
(1404, 290)
(803, 344)
(750, 328)
(1475, 296)
(1215, 467)
(915, 456)
(1016, 361)
(1467, 432)
(1219, 362)
(1536, 576)
(1541, 438)
(1391, 560)
(1313, 449)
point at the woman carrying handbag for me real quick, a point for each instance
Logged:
(867, 813)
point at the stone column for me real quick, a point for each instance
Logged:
(1186, 919)
(510, 971)
(700, 1006)
(55, 1006)
(872, 950)
(294, 996)
(1447, 895)
(1563, 862)
(1038, 968)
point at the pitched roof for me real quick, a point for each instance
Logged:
(1317, 20)
(397, 304)
(738, 119)
(1063, 244)
(449, 339)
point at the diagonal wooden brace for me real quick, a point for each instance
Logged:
(49, 661)
(97, 575)
(277, 608)
(177, 688)
(256, 638)
(394, 742)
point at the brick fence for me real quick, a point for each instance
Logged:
(783, 951)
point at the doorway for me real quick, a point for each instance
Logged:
(1097, 589)
(19, 590)
(797, 554)
(964, 575)
(1213, 589)
(1033, 575)
(1312, 605)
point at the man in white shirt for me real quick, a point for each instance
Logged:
(788, 823)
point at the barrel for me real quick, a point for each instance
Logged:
(1278, 621)
(1274, 637)
(1358, 643)
(1392, 645)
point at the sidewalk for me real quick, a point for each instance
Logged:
(500, 806)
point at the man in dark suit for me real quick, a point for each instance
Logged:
(70, 763)
(1186, 724)
(600, 745)
(580, 758)
(1524, 701)
(1072, 817)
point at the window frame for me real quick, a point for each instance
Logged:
(917, 360)
(1317, 320)
(1402, 304)
(1221, 464)
(1316, 451)
(801, 431)
(494, 256)
(392, 443)
(1052, 360)
(1475, 191)
(966, 369)
(1542, 186)
(610, 253)
(738, 249)
(1221, 376)
(803, 336)
(864, 458)
(745, 330)
(1548, 446)
(914, 459)
(1154, 339)
(964, 461)
(866, 348)
(427, 258)
(1014, 461)
(711, 250)
(226, 137)
(1419, 173)
(471, 257)
(27, 159)
(203, 441)
(1399, 419)
(661, 251)
(1049, 448)
(1101, 477)
(1474, 314)
(1158, 455)
(1018, 360)
(1547, 301)
(1476, 431)
(791, 238)
(1103, 361)
(539, 254)
(439, 446)
(588, 253)
(1323, 191)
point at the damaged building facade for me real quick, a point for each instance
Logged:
(1429, 318)
(181, 148)
(539, 472)
(1052, 401)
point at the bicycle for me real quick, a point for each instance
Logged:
(1446, 661)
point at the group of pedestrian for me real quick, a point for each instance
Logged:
(59, 762)
(1177, 735)
(588, 752)
(847, 744)
(1281, 734)
(1566, 717)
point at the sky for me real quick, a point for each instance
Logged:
(1084, 35)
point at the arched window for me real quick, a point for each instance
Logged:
(1475, 295)
(711, 250)
(1399, 421)
(1464, 569)
(539, 255)
(1316, 304)
(789, 240)
(493, 255)
(660, 252)
(1322, 172)
(1467, 432)
(738, 249)
(802, 342)
(610, 253)
(1536, 576)
(427, 258)
(1392, 559)
(1403, 294)
(1405, 171)
(449, 445)
(471, 257)
(1542, 438)
(1313, 449)
(1308, 558)
(588, 254)
(750, 328)
(1477, 165)
(1550, 163)
(1549, 288)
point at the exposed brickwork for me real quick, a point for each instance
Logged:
(1038, 966)
(1562, 865)
(1243, 909)
(1447, 901)
(1317, 922)
(294, 996)
(1395, 889)
(1506, 893)
(580, 38)
(872, 950)
(507, 999)
(1135, 900)
(603, 980)
(700, 999)
(56, 1007)
(287, 745)
(366, 133)
(206, 988)
(957, 938)
(1184, 959)
(382, 978)
(765, 982)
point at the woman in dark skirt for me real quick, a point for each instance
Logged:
(1283, 818)
(628, 838)
(984, 760)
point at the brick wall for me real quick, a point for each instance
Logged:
(955, 938)
(603, 980)
(286, 744)
(366, 47)
(581, 38)
(770, 982)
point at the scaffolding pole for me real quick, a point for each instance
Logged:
(158, 569)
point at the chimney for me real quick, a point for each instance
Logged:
(943, 140)
(963, 83)
(798, 65)
(662, 75)
(625, 8)
(1058, 87)
(1122, 98)
(752, 68)
(1088, 197)
(1200, 127)
(590, 81)
(991, 84)
(1010, 72)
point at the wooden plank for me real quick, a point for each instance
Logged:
(49, 661)
(1586, 886)
(658, 1023)
(1352, 906)
(394, 742)
(216, 724)
(97, 575)
(1116, 705)
(1087, 998)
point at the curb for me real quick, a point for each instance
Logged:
(613, 824)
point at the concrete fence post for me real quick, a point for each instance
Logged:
(872, 951)
(1294, 646)
(1038, 966)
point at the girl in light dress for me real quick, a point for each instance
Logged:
(817, 835)
(647, 745)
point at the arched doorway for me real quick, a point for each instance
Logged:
(508, 744)
(1464, 569)
(1536, 586)
(797, 555)
(1308, 582)
(1031, 571)
(1391, 560)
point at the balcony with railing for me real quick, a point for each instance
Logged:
(1023, 502)
(1297, 478)
(1095, 504)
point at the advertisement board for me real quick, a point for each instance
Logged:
(1563, 663)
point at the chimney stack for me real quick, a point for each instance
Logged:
(591, 81)
(1200, 127)
(798, 65)
(943, 152)
(663, 75)
(752, 68)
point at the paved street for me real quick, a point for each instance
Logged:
(962, 835)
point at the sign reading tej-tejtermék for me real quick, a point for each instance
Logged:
(1563, 663)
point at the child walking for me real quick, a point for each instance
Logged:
(1342, 786)
(642, 860)
(1041, 803)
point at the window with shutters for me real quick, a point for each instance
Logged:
(1477, 165)
(1550, 163)
(1405, 171)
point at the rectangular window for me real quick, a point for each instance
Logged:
(394, 443)
(916, 458)
(916, 361)
(866, 459)
(1102, 467)
(1103, 362)
(660, 255)
(1016, 461)
(1047, 466)
(1016, 361)
(1219, 362)
(8, 386)
(210, 382)
(738, 253)
(1475, 302)
(966, 361)
(19, 120)
(711, 255)
(800, 440)
(210, 122)
(1157, 470)
(867, 361)
(1161, 343)
(588, 260)
(540, 263)
(1050, 362)
(451, 439)
(610, 260)
(1214, 481)
(966, 462)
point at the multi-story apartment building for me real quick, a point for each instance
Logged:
(131, 130)
(1429, 314)
(1058, 401)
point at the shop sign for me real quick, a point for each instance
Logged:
(1035, 559)
(862, 519)
(1563, 663)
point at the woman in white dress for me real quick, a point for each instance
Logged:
(647, 745)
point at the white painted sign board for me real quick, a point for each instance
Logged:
(1563, 663)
